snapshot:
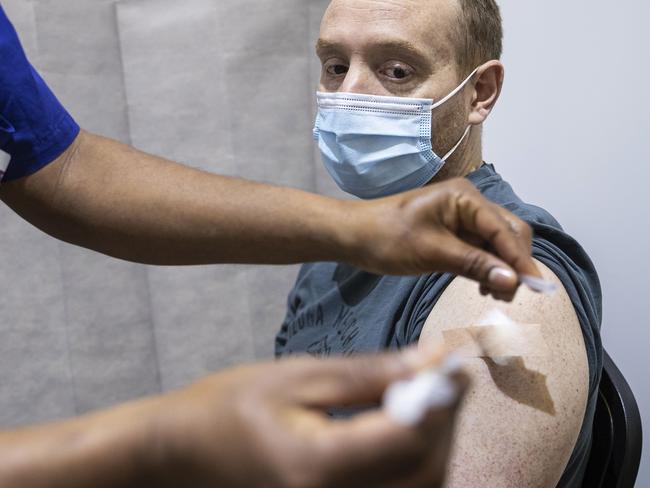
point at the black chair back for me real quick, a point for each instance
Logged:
(617, 434)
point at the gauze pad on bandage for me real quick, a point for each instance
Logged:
(408, 401)
(497, 337)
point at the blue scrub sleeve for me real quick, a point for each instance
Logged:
(34, 127)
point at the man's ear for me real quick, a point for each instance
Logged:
(487, 88)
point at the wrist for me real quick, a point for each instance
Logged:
(123, 445)
(175, 450)
(346, 242)
(324, 229)
(153, 442)
(357, 233)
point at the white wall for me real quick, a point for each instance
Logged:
(571, 134)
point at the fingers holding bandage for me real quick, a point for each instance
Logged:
(446, 227)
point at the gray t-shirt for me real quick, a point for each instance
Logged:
(336, 309)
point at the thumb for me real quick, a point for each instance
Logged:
(363, 379)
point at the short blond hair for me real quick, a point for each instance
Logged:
(479, 34)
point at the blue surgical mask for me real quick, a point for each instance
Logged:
(375, 146)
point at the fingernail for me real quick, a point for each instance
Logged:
(501, 277)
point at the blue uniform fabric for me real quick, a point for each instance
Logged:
(34, 127)
(335, 309)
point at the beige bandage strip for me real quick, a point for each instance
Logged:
(497, 341)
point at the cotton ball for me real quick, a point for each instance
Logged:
(408, 401)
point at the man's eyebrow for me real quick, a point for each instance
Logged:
(323, 45)
(399, 45)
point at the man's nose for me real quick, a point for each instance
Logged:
(359, 79)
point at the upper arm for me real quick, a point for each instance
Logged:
(519, 423)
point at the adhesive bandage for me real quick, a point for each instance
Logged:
(497, 337)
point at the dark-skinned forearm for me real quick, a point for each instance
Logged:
(116, 447)
(109, 197)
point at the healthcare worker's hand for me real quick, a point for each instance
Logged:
(449, 227)
(266, 425)
(259, 425)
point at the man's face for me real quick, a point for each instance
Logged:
(389, 47)
(396, 48)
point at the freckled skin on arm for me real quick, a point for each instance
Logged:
(519, 423)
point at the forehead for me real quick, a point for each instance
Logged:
(425, 24)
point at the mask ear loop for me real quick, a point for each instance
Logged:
(453, 149)
(455, 91)
(440, 102)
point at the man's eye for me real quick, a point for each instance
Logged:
(337, 69)
(397, 72)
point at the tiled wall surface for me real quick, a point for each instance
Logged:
(224, 85)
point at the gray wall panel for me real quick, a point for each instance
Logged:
(268, 288)
(266, 66)
(270, 130)
(77, 36)
(35, 380)
(79, 56)
(23, 17)
(174, 81)
(96, 102)
(259, 28)
(324, 184)
(202, 320)
(112, 347)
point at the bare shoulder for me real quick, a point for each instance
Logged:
(519, 422)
